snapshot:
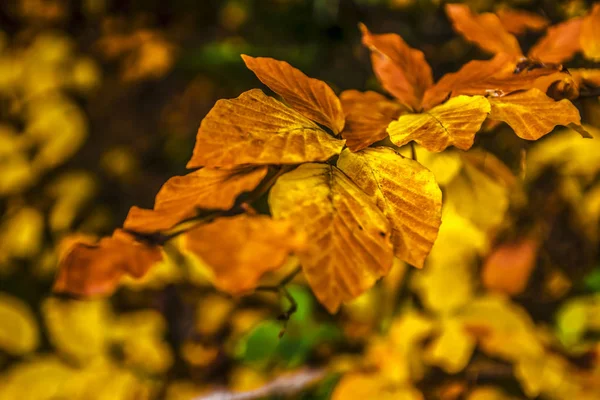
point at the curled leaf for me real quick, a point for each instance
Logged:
(257, 129)
(348, 246)
(310, 97)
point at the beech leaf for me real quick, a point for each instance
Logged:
(560, 43)
(348, 237)
(405, 191)
(453, 123)
(257, 129)
(310, 97)
(589, 38)
(519, 21)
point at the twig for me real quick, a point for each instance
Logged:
(282, 291)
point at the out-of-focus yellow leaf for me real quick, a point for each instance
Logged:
(18, 330)
(165, 272)
(181, 196)
(368, 115)
(532, 114)
(240, 249)
(257, 129)
(485, 30)
(520, 21)
(212, 313)
(589, 38)
(488, 393)
(348, 237)
(405, 191)
(547, 374)
(578, 316)
(72, 190)
(453, 123)
(310, 97)
(444, 165)
(560, 43)
(41, 378)
(21, 235)
(357, 386)
(452, 349)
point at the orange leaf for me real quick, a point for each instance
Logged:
(180, 196)
(402, 70)
(560, 43)
(485, 30)
(239, 250)
(348, 246)
(589, 38)
(96, 269)
(257, 129)
(519, 21)
(532, 114)
(368, 114)
(310, 97)
(508, 267)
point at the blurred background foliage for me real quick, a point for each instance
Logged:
(100, 101)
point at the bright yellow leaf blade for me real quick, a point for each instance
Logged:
(349, 244)
(532, 114)
(18, 331)
(405, 191)
(310, 97)
(239, 250)
(560, 43)
(257, 129)
(180, 196)
(402, 70)
(589, 38)
(367, 116)
(485, 30)
(453, 123)
(360, 386)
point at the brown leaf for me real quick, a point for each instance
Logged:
(532, 114)
(508, 267)
(257, 129)
(310, 97)
(453, 123)
(519, 21)
(485, 30)
(589, 38)
(402, 70)
(181, 196)
(88, 269)
(348, 237)
(238, 250)
(560, 43)
(368, 114)
(405, 191)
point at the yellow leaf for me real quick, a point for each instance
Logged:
(181, 196)
(519, 21)
(402, 70)
(257, 129)
(485, 30)
(532, 114)
(452, 349)
(405, 191)
(368, 115)
(348, 237)
(488, 393)
(239, 250)
(359, 386)
(310, 97)
(560, 43)
(21, 234)
(589, 38)
(18, 330)
(453, 123)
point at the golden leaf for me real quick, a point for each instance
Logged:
(452, 349)
(96, 269)
(453, 123)
(508, 267)
(181, 196)
(368, 115)
(310, 97)
(257, 129)
(359, 386)
(349, 245)
(532, 114)
(402, 70)
(18, 331)
(239, 250)
(405, 191)
(560, 43)
(485, 30)
(519, 21)
(589, 38)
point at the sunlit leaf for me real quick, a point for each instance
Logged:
(520, 21)
(368, 115)
(257, 129)
(348, 237)
(532, 114)
(485, 30)
(452, 349)
(239, 250)
(18, 331)
(406, 192)
(589, 38)
(402, 70)
(453, 123)
(181, 196)
(310, 97)
(560, 43)
(359, 386)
